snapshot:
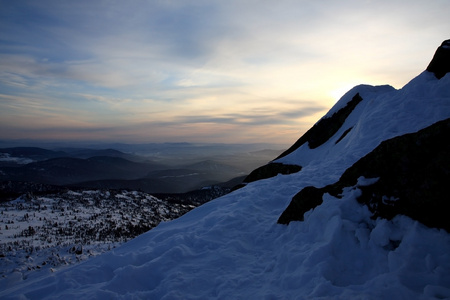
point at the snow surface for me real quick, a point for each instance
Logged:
(41, 234)
(232, 248)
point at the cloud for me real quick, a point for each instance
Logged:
(234, 65)
(252, 118)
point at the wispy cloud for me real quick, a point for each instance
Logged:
(190, 69)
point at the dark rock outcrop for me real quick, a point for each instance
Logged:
(413, 172)
(344, 134)
(440, 64)
(271, 170)
(323, 130)
(305, 200)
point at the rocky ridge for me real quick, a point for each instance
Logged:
(409, 173)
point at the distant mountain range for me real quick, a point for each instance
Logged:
(166, 168)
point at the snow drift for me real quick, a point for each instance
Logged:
(233, 248)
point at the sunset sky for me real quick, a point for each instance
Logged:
(200, 71)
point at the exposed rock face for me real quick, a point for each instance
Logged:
(440, 64)
(305, 200)
(325, 128)
(271, 170)
(413, 172)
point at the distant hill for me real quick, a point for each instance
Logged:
(184, 167)
(30, 153)
(68, 170)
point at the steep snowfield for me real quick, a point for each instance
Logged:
(383, 114)
(232, 248)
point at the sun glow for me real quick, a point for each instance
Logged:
(337, 93)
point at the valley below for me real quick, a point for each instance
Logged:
(61, 207)
(151, 168)
(41, 234)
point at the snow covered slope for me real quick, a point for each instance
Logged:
(233, 248)
(382, 114)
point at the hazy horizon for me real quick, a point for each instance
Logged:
(199, 71)
(5, 143)
(168, 150)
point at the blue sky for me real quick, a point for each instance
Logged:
(200, 71)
